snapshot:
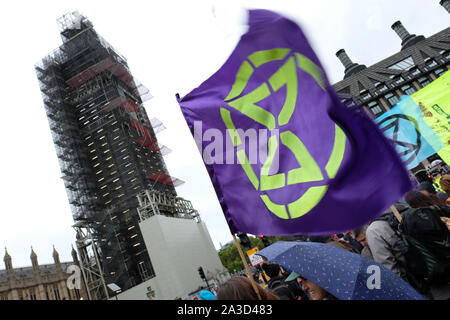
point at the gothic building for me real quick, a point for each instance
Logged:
(40, 282)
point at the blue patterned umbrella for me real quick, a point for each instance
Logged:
(346, 275)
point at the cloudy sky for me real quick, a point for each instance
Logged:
(171, 47)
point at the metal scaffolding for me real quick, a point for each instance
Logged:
(105, 143)
(90, 264)
(154, 202)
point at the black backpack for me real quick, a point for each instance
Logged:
(281, 289)
(427, 239)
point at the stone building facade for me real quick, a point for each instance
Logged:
(379, 87)
(41, 282)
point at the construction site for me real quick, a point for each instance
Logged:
(109, 155)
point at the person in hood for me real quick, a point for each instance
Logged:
(206, 295)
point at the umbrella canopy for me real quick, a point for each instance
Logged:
(346, 275)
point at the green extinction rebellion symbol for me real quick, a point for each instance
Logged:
(308, 169)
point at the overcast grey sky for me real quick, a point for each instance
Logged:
(171, 46)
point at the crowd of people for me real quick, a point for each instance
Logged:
(412, 239)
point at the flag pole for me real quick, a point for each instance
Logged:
(249, 273)
(396, 213)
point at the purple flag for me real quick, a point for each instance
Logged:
(285, 156)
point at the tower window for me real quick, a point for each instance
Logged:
(391, 98)
(423, 81)
(375, 108)
(402, 65)
(408, 89)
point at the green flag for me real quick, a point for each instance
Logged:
(434, 101)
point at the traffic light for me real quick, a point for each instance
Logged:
(245, 241)
(265, 241)
(201, 273)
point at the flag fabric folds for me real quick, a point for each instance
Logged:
(414, 139)
(434, 101)
(419, 125)
(285, 156)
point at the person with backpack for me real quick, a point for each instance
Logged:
(417, 198)
(385, 243)
(278, 285)
(427, 237)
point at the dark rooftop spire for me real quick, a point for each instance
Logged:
(350, 67)
(407, 38)
(445, 4)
